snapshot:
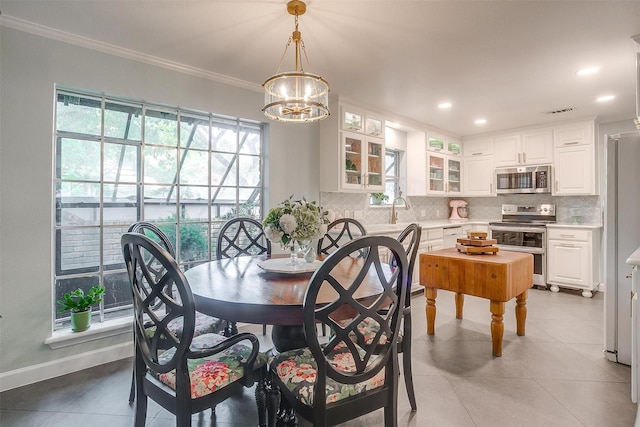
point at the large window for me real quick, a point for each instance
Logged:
(392, 174)
(118, 162)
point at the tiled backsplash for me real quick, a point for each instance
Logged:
(586, 209)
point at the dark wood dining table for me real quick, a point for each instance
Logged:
(238, 289)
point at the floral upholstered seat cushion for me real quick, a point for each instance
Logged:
(204, 325)
(214, 372)
(297, 369)
(368, 328)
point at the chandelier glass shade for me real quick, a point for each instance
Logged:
(296, 96)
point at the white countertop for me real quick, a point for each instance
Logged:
(438, 223)
(445, 223)
(634, 259)
(572, 225)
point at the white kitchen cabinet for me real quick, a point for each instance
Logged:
(574, 160)
(432, 238)
(572, 261)
(507, 150)
(352, 151)
(478, 146)
(478, 175)
(444, 174)
(532, 147)
(444, 145)
(363, 164)
(354, 119)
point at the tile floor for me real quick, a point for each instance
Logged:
(556, 375)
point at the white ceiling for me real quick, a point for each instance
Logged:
(506, 61)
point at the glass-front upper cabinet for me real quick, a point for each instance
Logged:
(440, 144)
(363, 163)
(435, 143)
(444, 174)
(436, 173)
(374, 126)
(453, 175)
(352, 119)
(454, 147)
(375, 165)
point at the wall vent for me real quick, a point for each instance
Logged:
(560, 111)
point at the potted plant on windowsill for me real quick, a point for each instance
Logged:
(80, 306)
(378, 198)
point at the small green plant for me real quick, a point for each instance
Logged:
(379, 197)
(77, 301)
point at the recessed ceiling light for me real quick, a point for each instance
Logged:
(605, 98)
(444, 105)
(588, 71)
(480, 121)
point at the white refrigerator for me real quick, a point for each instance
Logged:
(621, 239)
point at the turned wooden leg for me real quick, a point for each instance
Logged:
(521, 312)
(273, 403)
(261, 401)
(459, 304)
(497, 326)
(431, 294)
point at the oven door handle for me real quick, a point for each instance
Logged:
(525, 249)
(518, 229)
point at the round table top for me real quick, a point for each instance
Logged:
(237, 289)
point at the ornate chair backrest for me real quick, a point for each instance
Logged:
(339, 280)
(154, 233)
(171, 288)
(242, 236)
(410, 239)
(338, 233)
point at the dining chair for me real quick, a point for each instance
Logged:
(203, 324)
(339, 232)
(183, 373)
(342, 379)
(242, 236)
(410, 239)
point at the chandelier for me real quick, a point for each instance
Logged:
(296, 96)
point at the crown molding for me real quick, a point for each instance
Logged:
(110, 49)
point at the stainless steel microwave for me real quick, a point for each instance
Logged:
(523, 180)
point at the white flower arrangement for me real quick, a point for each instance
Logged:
(295, 220)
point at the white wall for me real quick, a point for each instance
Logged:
(31, 66)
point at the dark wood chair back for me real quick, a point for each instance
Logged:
(242, 236)
(370, 358)
(165, 352)
(171, 288)
(338, 233)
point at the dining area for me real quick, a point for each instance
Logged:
(339, 315)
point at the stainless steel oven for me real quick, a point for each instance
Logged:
(523, 229)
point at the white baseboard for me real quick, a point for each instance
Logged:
(44, 371)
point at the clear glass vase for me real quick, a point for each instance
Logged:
(294, 253)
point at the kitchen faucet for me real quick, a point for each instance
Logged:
(394, 214)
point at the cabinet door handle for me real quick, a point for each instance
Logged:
(476, 154)
(519, 155)
(566, 245)
(568, 235)
(571, 143)
(524, 157)
(491, 188)
(556, 185)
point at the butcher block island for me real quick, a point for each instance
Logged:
(498, 277)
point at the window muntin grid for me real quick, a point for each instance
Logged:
(119, 161)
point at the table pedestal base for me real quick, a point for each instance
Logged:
(288, 337)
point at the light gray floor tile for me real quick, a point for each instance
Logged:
(511, 402)
(594, 403)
